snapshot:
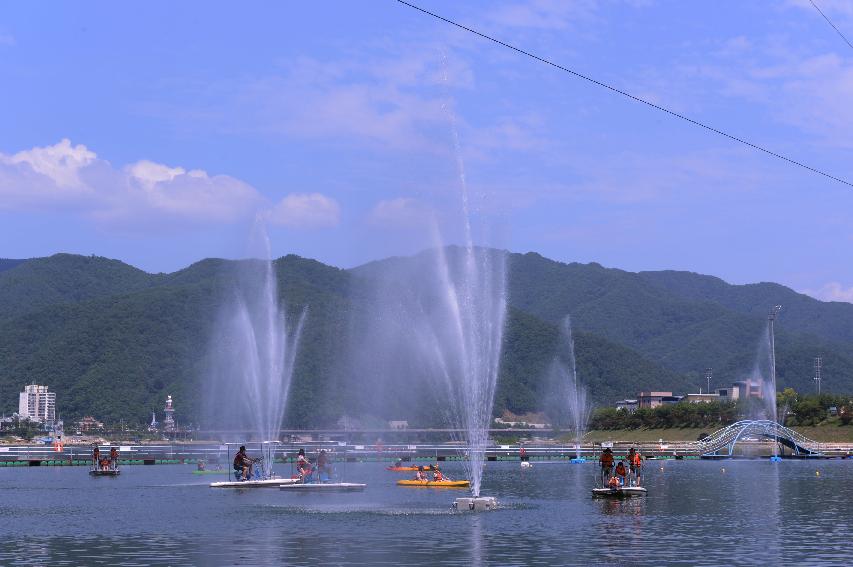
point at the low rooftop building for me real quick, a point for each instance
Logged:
(655, 399)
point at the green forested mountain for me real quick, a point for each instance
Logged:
(112, 340)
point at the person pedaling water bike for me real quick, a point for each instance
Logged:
(243, 464)
(606, 462)
(323, 463)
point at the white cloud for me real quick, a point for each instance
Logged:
(72, 178)
(401, 212)
(542, 14)
(61, 162)
(832, 291)
(305, 210)
(805, 87)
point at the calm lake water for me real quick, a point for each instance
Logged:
(695, 514)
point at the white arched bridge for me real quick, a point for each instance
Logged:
(723, 441)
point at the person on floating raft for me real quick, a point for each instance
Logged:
(606, 462)
(621, 473)
(635, 462)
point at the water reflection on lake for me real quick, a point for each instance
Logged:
(695, 514)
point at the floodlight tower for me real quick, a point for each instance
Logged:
(818, 363)
(771, 318)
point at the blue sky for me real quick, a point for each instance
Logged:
(156, 133)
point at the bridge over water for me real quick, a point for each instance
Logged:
(723, 441)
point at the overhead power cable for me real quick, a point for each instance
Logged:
(629, 95)
(828, 21)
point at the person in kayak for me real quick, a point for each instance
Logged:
(621, 472)
(243, 464)
(437, 476)
(420, 475)
(606, 462)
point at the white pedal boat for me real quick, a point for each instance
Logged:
(265, 483)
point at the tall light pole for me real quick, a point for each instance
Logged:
(709, 373)
(771, 318)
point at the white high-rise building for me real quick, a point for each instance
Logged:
(37, 404)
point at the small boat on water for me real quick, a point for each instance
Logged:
(260, 471)
(435, 483)
(619, 492)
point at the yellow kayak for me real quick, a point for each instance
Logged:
(435, 484)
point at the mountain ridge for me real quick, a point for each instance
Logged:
(113, 340)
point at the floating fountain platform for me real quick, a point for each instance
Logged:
(578, 460)
(475, 504)
(324, 487)
(621, 492)
(775, 459)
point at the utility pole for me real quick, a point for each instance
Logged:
(709, 373)
(818, 363)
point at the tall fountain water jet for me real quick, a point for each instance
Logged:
(475, 292)
(253, 351)
(436, 321)
(571, 391)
